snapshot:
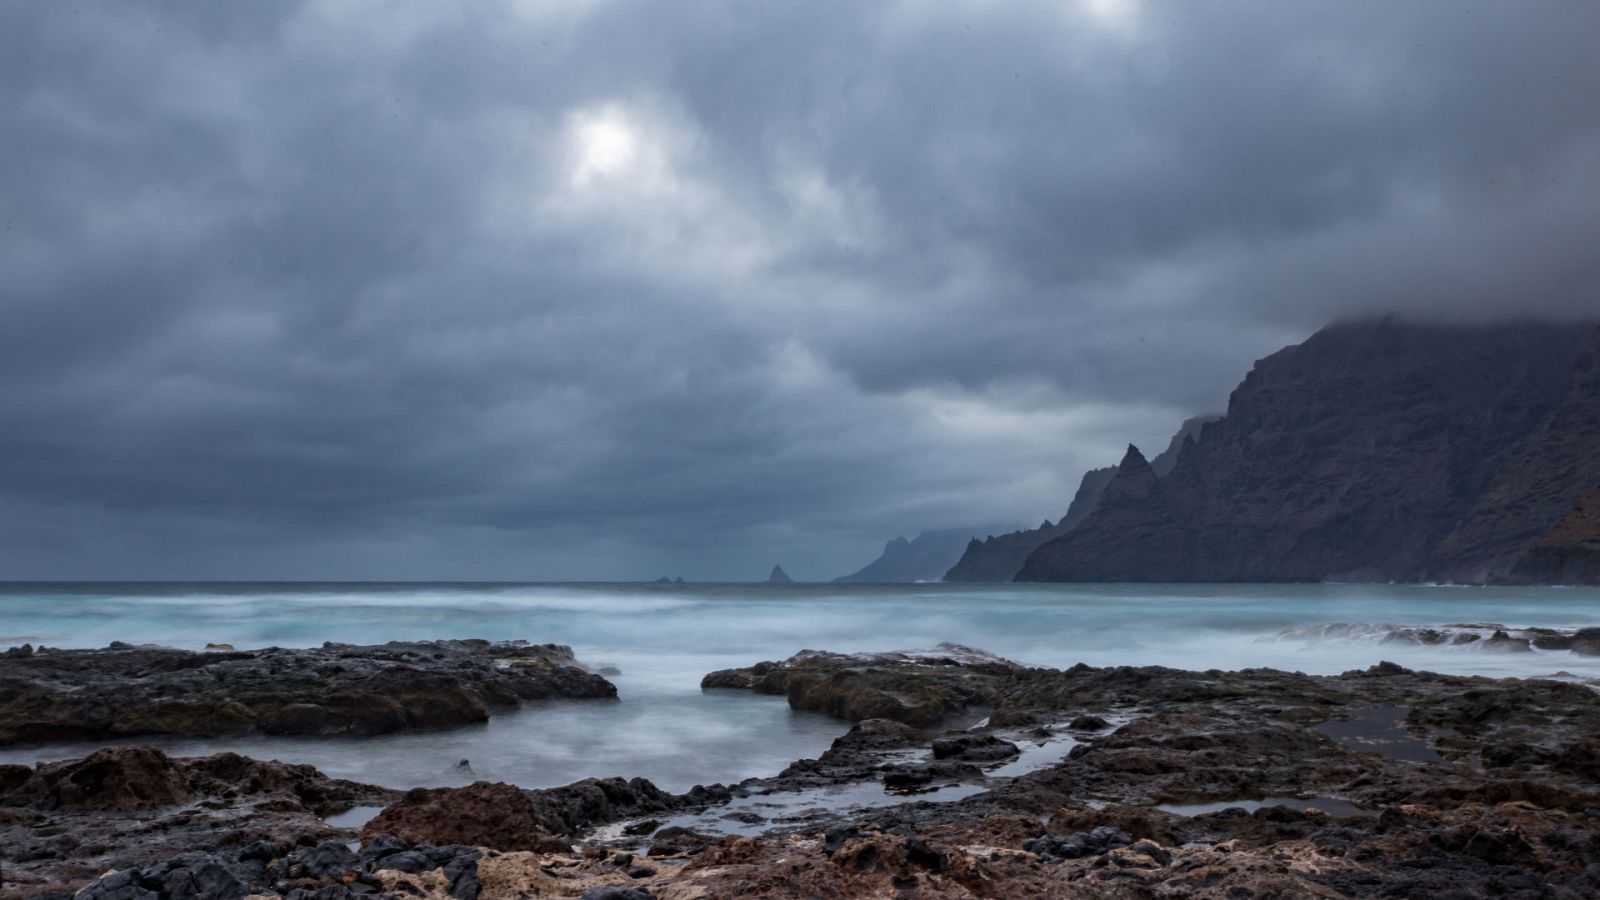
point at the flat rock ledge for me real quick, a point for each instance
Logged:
(918, 688)
(336, 689)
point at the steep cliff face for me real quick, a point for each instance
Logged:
(1535, 485)
(997, 558)
(1350, 456)
(925, 558)
(1133, 534)
(1000, 558)
(1568, 553)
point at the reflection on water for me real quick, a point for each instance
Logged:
(1381, 730)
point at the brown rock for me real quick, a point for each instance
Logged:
(115, 778)
(494, 815)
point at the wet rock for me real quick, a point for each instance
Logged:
(571, 808)
(612, 892)
(328, 859)
(1505, 643)
(641, 827)
(122, 885)
(923, 776)
(1088, 723)
(919, 689)
(1081, 844)
(835, 837)
(120, 807)
(334, 689)
(677, 841)
(974, 748)
(1586, 642)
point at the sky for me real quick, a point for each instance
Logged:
(612, 290)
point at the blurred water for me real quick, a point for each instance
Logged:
(664, 638)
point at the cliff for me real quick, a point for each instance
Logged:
(1568, 553)
(924, 558)
(1352, 456)
(1132, 535)
(1000, 558)
(1534, 486)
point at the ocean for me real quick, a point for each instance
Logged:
(663, 638)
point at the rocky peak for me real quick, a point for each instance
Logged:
(779, 576)
(1135, 480)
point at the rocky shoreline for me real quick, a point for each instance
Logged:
(126, 691)
(964, 775)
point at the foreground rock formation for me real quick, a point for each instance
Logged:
(1084, 782)
(63, 824)
(1375, 451)
(122, 691)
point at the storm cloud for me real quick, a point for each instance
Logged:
(551, 290)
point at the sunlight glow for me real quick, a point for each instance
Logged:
(605, 145)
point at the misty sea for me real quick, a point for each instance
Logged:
(663, 638)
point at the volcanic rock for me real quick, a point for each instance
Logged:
(122, 691)
(919, 689)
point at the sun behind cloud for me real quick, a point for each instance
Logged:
(604, 144)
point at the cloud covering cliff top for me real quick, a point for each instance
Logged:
(613, 290)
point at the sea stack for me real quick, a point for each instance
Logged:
(779, 576)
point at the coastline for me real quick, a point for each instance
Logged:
(1137, 781)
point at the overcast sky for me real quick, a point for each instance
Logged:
(552, 290)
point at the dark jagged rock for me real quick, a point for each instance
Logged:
(974, 748)
(999, 559)
(122, 691)
(508, 818)
(67, 822)
(1568, 553)
(1355, 456)
(1134, 535)
(779, 576)
(926, 558)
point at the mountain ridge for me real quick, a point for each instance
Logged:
(1354, 455)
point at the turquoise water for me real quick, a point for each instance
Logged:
(664, 638)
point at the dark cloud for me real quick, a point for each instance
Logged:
(550, 290)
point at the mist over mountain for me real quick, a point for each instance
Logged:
(927, 557)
